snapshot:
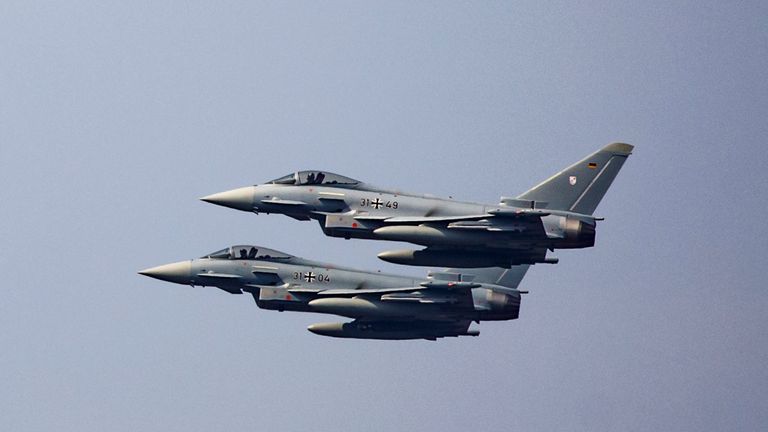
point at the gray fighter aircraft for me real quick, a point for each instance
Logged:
(382, 306)
(555, 214)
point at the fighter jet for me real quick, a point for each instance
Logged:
(556, 214)
(382, 306)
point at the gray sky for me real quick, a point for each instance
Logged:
(116, 117)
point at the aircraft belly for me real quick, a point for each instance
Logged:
(347, 222)
(358, 307)
(283, 305)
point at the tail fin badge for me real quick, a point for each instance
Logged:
(572, 180)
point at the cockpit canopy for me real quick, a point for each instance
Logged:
(248, 252)
(301, 178)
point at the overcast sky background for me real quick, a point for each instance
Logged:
(116, 117)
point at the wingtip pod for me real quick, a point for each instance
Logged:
(619, 148)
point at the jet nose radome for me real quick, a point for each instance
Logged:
(240, 199)
(180, 272)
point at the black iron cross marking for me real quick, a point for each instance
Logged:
(376, 203)
(309, 277)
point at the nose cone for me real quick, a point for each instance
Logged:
(180, 272)
(239, 199)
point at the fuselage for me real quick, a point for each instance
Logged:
(366, 212)
(288, 283)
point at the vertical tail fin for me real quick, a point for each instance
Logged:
(580, 187)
